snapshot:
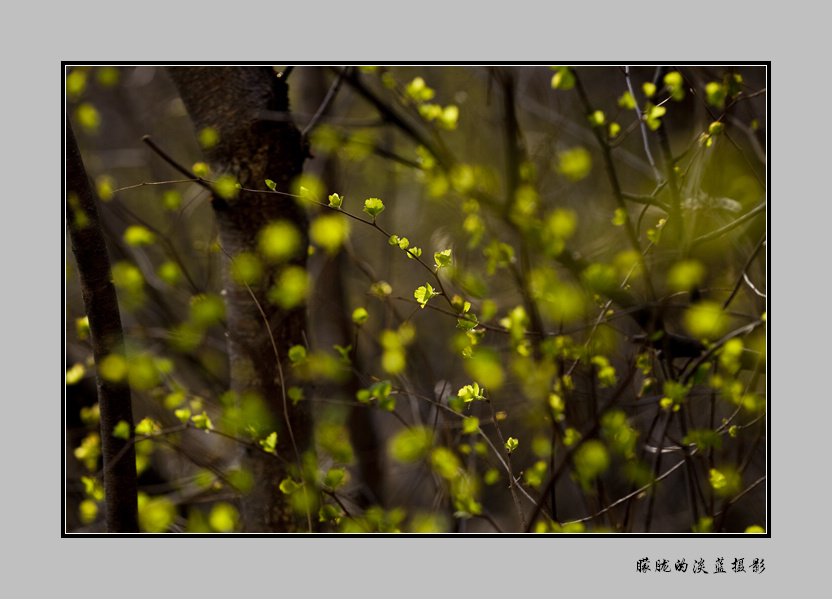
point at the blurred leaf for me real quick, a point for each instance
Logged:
(575, 164)
(224, 517)
(410, 445)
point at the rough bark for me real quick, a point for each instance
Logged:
(232, 101)
(101, 305)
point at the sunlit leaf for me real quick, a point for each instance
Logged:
(373, 207)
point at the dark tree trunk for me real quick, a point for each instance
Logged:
(101, 305)
(234, 101)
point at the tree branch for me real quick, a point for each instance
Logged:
(107, 337)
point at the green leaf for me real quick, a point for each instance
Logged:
(704, 525)
(183, 414)
(297, 354)
(563, 79)
(675, 391)
(467, 322)
(571, 437)
(675, 84)
(89, 117)
(146, 427)
(295, 394)
(329, 512)
(512, 444)
(202, 421)
(470, 392)
(575, 164)
(381, 390)
(402, 242)
(423, 294)
(715, 94)
(226, 187)
(247, 268)
(137, 236)
(271, 184)
(626, 101)
(442, 258)
(534, 476)
(732, 84)
(335, 200)
(288, 486)
(206, 310)
(449, 117)
(290, 289)
(597, 118)
(169, 272)
(171, 200)
(685, 275)
(279, 241)
(344, 353)
(600, 278)
(75, 374)
(155, 514)
(652, 116)
(606, 373)
(329, 231)
(334, 477)
(704, 438)
(360, 316)
(269, 444)
(208, 138)
(121, 430)
(484, 366)
(373, 207)
(381, 289)
(93, 488)
(591, 460)
(445, 463)
(224, 517)
(418, 90)
(471, 425)
(201, 169)
(707, 320)
(410, 445)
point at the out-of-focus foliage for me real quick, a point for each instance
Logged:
(545, 285)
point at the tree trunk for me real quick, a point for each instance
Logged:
(107, 338)
(232, 101)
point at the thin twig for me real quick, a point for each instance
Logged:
(742, 272)
(330, 96)
(629, 496)
(733, 224)
(166, 157)
(642, 124)
(512, 483)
